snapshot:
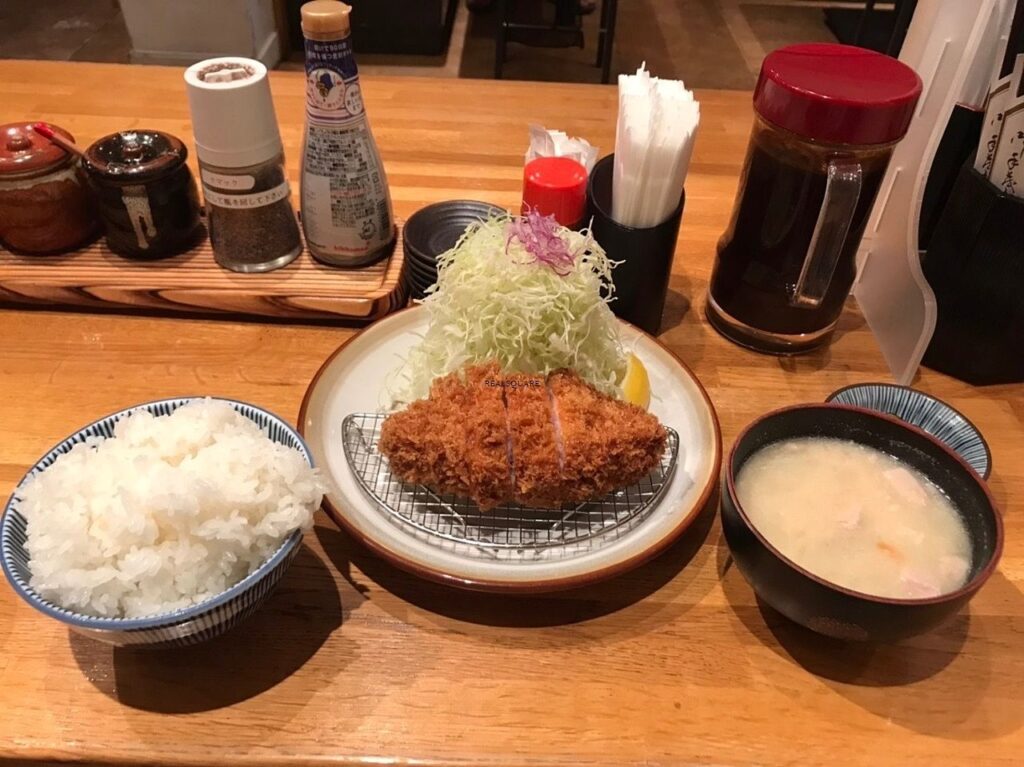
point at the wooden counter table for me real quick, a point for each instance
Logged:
(353, 662)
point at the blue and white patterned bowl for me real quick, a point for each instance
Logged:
(927, 413)
(186, 626)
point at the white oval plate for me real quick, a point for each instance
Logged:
(354, 379)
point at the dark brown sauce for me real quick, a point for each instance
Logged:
(761, 254)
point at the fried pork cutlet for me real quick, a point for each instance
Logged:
(532, 437)
(418, 442)
(498, 438)
(455, 441)
(606, 443)
(484, 446)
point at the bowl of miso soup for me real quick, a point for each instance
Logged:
(856, 525)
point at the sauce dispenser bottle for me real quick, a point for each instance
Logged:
(346, 205)
(827, 118)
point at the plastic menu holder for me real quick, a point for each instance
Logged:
(942, 44)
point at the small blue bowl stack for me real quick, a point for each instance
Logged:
(942, 421)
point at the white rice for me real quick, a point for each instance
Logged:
(170, 511)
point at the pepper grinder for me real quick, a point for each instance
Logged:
(253, 227)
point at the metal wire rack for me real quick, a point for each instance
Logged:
(511, 531)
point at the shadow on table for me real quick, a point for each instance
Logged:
(256, 655)
(942, 683)
(678, 304)
(682, 327)
(553, 609)
(810, 362)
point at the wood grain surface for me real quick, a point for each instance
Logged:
(355, 663)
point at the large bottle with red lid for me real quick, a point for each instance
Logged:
(827, 119)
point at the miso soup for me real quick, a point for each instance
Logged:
(856, 517)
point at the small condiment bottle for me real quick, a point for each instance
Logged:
(44, 203)
(556, 186)
(145, 192)
(253, 227)
(346, 204)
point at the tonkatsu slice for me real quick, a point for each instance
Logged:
(606, 443)
(455, 441)
(531, 436)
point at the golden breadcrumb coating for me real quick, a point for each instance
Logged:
(485, 427)
(498, 438)
(607, 443)
(534, 452)
(417, 442)
(455, 440)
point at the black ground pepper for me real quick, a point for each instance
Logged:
(253, 227)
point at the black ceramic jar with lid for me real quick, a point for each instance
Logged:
(145, 192)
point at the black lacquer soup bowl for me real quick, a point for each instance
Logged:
(834, 610)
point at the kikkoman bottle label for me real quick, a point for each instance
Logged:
(346, 206)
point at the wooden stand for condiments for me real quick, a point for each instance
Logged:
(193, 283)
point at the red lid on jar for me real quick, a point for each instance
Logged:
(22, 150)
(555, 186)
(837, 94)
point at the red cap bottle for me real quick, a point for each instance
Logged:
(556, 186)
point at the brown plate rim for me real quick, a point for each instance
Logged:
(527, 587)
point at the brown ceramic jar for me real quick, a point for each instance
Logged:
(44, 204)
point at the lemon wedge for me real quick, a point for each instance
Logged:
(636, 386)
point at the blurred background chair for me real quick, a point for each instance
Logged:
(707, 43)
(880, 26)
(525, 23)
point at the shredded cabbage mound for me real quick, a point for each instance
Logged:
(526, 292)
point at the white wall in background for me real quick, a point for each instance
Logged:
(185, 31)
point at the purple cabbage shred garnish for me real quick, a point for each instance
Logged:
(539, 237)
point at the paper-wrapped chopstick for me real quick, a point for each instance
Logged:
(654, 136)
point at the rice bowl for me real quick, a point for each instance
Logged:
(249, 555)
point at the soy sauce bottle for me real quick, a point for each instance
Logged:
(346, 204)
